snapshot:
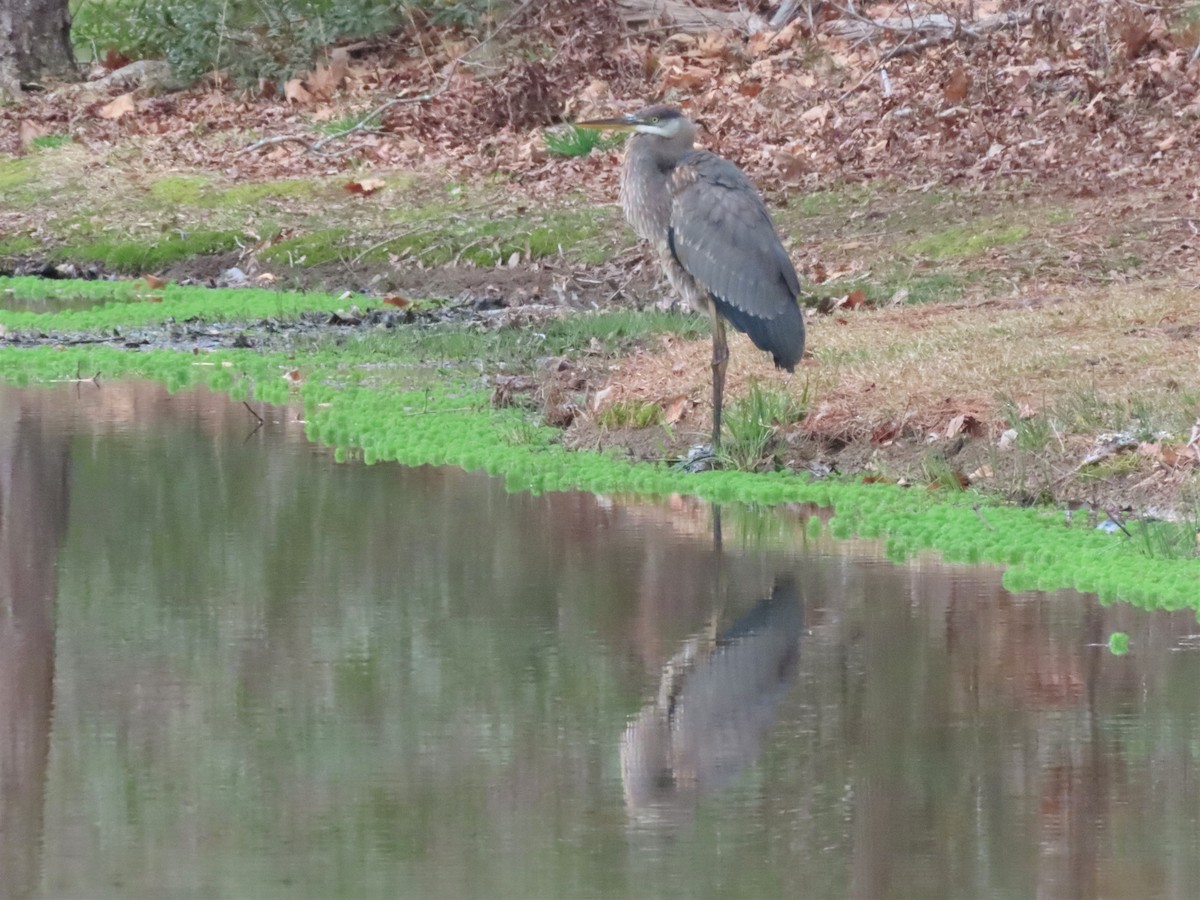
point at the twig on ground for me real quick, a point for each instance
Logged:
(388, 240)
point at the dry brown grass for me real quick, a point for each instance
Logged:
(914, 370)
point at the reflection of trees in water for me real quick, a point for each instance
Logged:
(717, 698)
(987, 740)
(34, 473)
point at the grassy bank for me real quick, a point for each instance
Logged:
(370, 403)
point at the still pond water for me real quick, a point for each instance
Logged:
(230, 667)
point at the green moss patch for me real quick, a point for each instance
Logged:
(17, 245)
(131, 303)
(15, 173)
(194, 190)
(315, 249)
(250, 194)
(960, 241)
(139, 256)
(179, 189)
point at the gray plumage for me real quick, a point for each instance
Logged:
(713, 235)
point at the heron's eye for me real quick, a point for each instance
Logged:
(653, 120)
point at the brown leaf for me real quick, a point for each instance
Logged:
(958, 85)
(818, 114)
(118, 107)
(793, 168)
(154, 282)
(855, 299)
(965, 423)
(397, 301)
(1133, 28)
(366, 186)
(295, 92)
(674, 409)
(29, 132)
(114, 60)
(689, 77)
(327, 78)
(153, 298)
(295, 376)
(885, 433)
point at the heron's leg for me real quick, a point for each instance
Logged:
(720, 360)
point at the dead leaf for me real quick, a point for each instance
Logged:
(793, 168)
(965, 423)
(365, 186)
(295, 376)
(674, 409)
(29, 132)
(816, 115)
(118, 107)
(688, 78)
(600, 396)
(1133, 28)
(958, 86)
(855, 299)
(397, 301)
(713, 45)
(114, 60)
(295, 92)
(328, 77)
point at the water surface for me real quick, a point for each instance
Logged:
(231, 667)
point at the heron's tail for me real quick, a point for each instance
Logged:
(782, 336)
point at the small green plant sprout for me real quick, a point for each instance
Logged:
(1118, 643)
(753, 422)
(569, 141)
(630, 413)
(50, 141)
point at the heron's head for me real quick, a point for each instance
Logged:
(660, 121)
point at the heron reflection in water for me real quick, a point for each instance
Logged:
(717, 699)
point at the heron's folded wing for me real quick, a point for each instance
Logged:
(723, 237)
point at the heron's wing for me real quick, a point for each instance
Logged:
(723, 237)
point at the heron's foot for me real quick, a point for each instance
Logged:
(700, 458)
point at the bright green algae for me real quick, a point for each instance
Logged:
(452, 423)
(122, 304)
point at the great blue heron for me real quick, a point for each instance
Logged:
(713, 235)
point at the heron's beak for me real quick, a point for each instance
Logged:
(619, 123)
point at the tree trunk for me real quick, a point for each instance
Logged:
(35, 43)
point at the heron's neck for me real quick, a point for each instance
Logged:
(662, 153)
